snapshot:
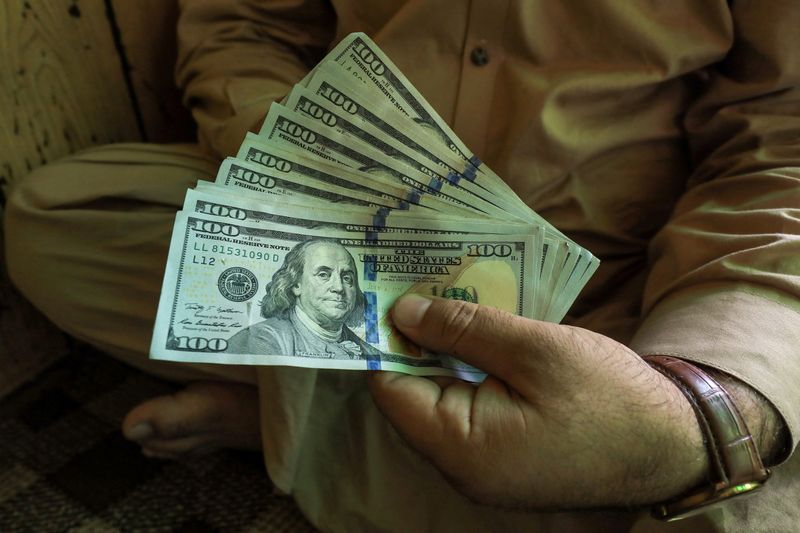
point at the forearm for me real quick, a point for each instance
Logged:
(723, 285)
(746, 331)
(237, 56)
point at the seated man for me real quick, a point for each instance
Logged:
(662, 136)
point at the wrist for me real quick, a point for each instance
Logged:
(766, 425)
(735, 465)
(681, 454)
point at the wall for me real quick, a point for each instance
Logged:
(79, 73)
(75, 73)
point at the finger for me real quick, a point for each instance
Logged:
(404, 399)
(426, 415)
(492, 340)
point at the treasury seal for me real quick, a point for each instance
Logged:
(237, 284)
(466, 294)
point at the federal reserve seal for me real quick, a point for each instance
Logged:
(237, 284)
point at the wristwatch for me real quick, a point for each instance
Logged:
(736, 467)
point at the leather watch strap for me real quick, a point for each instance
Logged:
(736, 466)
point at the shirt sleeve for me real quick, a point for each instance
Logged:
(237, 56)
(724, 286)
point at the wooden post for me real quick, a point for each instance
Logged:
(61, 83)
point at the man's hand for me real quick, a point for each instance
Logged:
(566, 419)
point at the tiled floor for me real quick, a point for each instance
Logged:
(65, 466)
(28, 342)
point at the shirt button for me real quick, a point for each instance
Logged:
(479, 56)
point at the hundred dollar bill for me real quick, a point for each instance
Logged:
(282, 295)
(308, 170)
(346, 93)
(362, 59)
(336, 82)
(571, 270)
(577, 283)
(290, 130)
(313, 203)
(236, 174)
(305, 103)
(550, 250)
(560, 276)
(361, 222)
(585, 266)
(251, 210)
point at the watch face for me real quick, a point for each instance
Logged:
(702, 501)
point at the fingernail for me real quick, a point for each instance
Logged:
(139, 432)
(408, 310)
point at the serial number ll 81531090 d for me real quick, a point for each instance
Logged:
(235, 251)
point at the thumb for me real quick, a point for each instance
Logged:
(492, 340)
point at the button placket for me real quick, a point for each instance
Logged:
(482, 55)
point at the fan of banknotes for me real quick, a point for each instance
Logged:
(354, 193)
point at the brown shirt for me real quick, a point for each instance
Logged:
(664, 136)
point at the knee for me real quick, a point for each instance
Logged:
(70, 248)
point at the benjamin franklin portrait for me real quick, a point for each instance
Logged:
(309, 307)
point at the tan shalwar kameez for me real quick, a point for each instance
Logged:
(662, 135)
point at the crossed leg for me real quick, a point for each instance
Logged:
(87, 241)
